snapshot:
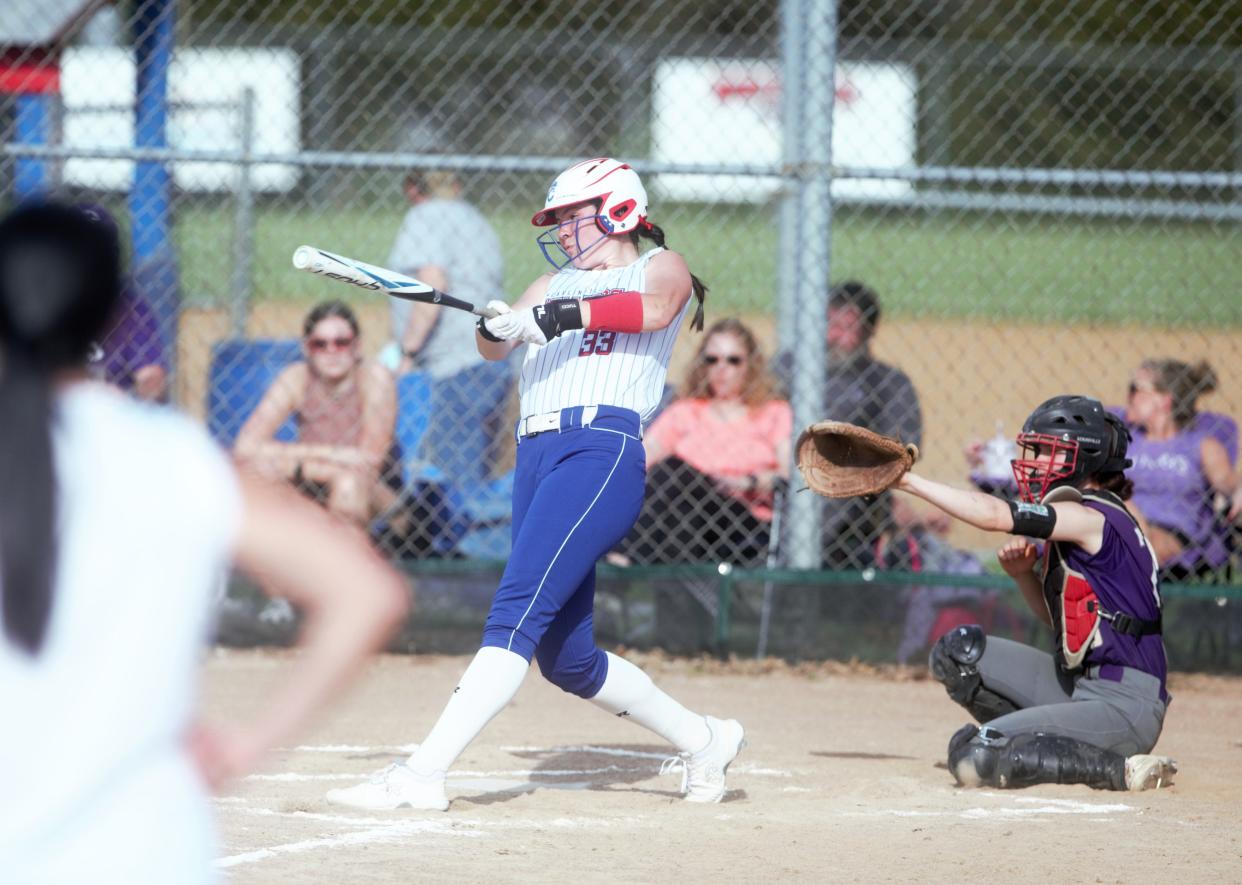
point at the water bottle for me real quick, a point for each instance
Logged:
(998, 452)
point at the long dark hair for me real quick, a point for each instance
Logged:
(60, 279)
(655, 233)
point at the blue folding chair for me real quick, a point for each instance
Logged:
(241, 371)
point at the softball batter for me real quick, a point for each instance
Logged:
(600, 329)
(1092, 714)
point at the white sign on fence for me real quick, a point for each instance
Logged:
(205, 88)
(707, 111)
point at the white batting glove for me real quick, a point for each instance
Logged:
(501, 326)
(517, 326)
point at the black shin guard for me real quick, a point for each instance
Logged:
(954, 663)
(985, 757)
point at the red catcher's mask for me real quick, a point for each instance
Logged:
(1036, 476)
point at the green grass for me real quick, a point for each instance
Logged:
(999, 267)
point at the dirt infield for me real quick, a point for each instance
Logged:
(842, 781)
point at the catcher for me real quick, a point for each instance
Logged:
(1092, 712)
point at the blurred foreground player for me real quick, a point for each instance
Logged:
(117, 522)
(1091, 714)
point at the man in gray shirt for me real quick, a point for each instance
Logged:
(446, 242)
(864, 391)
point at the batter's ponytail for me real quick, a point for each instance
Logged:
(655, 233)
(59, 282)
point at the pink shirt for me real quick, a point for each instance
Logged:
(688, 429)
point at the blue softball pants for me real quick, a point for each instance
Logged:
(576, 492)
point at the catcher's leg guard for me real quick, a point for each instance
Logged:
(986, 757)
(954, 662)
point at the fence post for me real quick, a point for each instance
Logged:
(813, 253)
(792, 79)
(243, 223)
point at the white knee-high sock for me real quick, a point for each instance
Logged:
(629, 692)
(487, 686)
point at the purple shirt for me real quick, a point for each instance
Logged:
(131, 342)
(1123, 576)
(1173, 493)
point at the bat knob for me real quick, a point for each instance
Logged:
(303, 257)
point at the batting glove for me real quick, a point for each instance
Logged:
(538, 324)
(493, 328)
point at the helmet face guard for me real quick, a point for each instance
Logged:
(1040, 471)
(557, 255)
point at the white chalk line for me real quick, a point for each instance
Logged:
(477, 823)
(394, 830)
(1036, 806)
(390, 832)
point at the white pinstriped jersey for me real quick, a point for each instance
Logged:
(594, 368)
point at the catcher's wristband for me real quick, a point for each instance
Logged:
(485, 332)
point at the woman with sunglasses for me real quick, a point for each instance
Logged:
(599, 330)
(345, 407)
(714, 458)
(1180, 465)
(1092, 713)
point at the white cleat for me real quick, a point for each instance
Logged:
(1149, 772)
(703, 773)
(396, 786)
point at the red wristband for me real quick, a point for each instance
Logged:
(617, 312)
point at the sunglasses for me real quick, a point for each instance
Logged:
(1134, 388)
(318, 344)
(733, 360)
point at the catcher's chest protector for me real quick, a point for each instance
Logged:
(1074, 607)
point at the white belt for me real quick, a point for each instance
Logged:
(548, 421)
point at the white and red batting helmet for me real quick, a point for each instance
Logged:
(617, 187)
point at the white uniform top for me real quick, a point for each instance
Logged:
(589, 368)
(94, 783)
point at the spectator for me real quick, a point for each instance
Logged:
(116, 524)
(919, 543)
(345, 407)
(864, 391)
(715, 457)
(132, 352)
(446, 242)
(1179, 467)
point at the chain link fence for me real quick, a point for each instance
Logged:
(923, 217)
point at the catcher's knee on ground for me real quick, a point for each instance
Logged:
(989, 758)
(954, 661)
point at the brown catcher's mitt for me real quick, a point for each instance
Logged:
(841, 460)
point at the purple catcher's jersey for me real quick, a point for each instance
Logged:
(1123, 576)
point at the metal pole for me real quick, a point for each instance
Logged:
(33, 124)
(150, 199)
(772, 563)
(792, 79)
(814, 257)
(243, 223)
